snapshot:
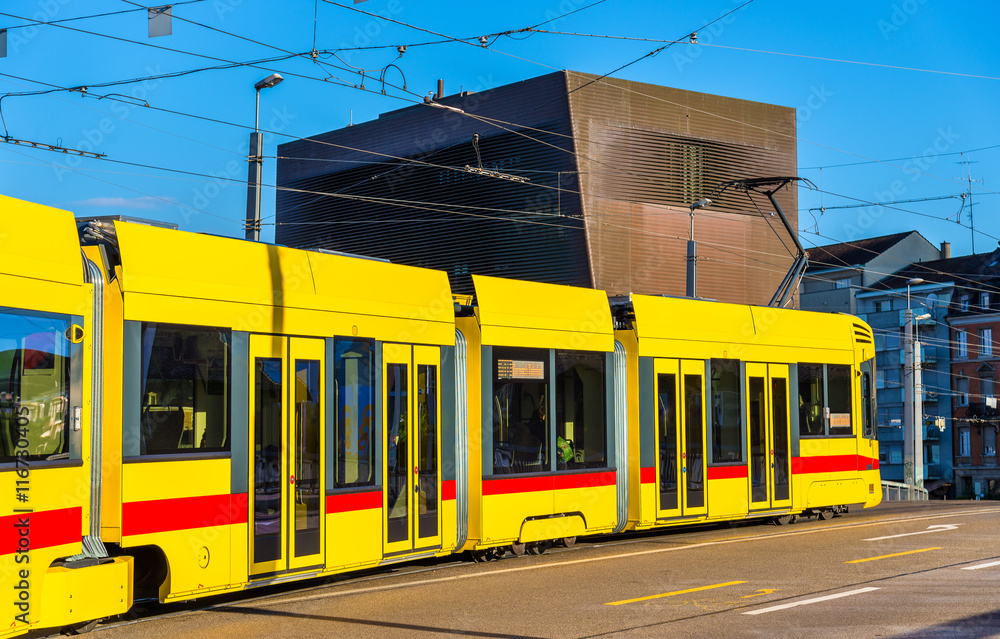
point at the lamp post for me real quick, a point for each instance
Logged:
(692, 254)
(913, 457)
(252, 223)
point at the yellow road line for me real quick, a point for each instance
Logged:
(895, 554)
(676, 592)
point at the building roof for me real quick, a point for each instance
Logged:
(962, 270)
(856, 253)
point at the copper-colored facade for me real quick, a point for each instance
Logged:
(613, 164)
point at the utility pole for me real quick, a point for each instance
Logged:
(972, 224)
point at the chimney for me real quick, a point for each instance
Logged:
(440, 93)
(945, 250)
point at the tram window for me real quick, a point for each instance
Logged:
(839, 386)
(520, 410)
(581, 419)
(355, 373)
(811, 401)
(727, 428)
(35, 355)
(185, 389)
(868, 399)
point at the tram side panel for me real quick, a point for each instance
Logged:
(547, 440)
(46, 429)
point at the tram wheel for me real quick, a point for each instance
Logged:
(567, 542)
(826, 515)
(783, 520)
(539, 547)
(480, 556)
(496, 553)
(80, 628)
(518, 549)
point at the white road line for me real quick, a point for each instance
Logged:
(810, 601)
(989, 565)
(930, 529)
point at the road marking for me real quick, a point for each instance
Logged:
(989, 565)
(671, 594)
(810, 601)
(930, 529)
(761, 592)
(895, 554)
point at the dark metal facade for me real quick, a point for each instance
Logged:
(613, 167)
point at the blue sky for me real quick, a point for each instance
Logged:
(941, 109)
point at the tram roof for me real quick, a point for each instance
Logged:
(166, 262)
(52, 254)
(736, 324)
(531, 314)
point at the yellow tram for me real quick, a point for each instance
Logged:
(203, 415)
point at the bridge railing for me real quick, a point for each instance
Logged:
(895, 491)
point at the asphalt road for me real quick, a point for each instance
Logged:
(925, 569)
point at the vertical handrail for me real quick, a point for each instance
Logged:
(461, 439)
(621, 434)
(92, 544)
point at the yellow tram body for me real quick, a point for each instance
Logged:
(254, 414)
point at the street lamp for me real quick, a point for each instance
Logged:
(692, 256)
(913, 444)
(252, 224)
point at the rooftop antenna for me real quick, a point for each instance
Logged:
(972, 224)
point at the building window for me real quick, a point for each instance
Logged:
(843, 283)
(984, 301)
(986, 383)
(986, 342)
(989, 441)
(879, 378)
(963, 304)
(880, 306)
(963, 343)
(184, 389)
(964, 442)
(962, 390)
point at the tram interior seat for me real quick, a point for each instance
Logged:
(162, 428)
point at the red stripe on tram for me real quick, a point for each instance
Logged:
(832, 464)
(45, 529)
(350, 502)
(727, 472)
(183, 513)
(647, 475)
(448, 490)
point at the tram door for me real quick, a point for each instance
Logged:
(680, 438)
(411, 450)
(287, 440)
(768, 426)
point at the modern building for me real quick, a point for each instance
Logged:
(930, 295)
(975, 325)
(567, 178)
(838, 272)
